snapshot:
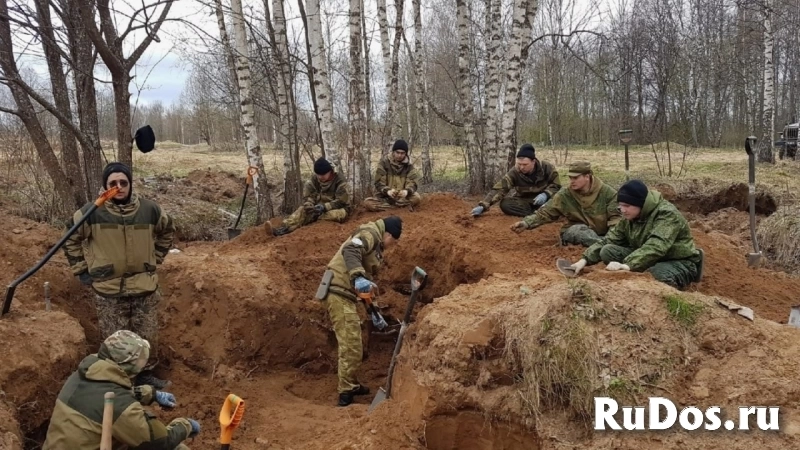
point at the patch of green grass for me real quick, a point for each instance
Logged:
(683, 310)
(622, 388)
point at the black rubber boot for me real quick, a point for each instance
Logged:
(147, 378)
(346, 398)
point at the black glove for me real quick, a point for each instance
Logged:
(319, 209)
(85, 278)
(308, 208)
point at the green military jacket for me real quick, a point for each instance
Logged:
(77, 419)
(333, 194)
(544, 178)
(660, 233)
(361, 255)
(125, 243)
(397, 176)
(597, 208)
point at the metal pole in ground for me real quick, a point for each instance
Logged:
(625, 136)
(47, 296)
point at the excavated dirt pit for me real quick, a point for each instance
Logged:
(239, 316)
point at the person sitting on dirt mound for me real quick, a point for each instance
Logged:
(127, 238)
(352, 269)
(77, 418)
(325, 197)
(396, 181)
(533, 181)
(652, 236)
(589, 205)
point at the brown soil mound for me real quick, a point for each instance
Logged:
(696, 199)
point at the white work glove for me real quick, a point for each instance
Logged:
(391, 193)
(614, 266)
(578, 266)
(403, 193)
(519, 227)
(540, 199)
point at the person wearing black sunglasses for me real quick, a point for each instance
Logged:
(126, 239)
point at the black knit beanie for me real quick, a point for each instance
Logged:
(526, 151)
(322, 166)
(400, 145)
(145, 138)
(393, 226)
(633, 192)
(116, 167)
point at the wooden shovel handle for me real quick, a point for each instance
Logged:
(108, 421)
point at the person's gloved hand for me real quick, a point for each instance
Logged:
(195, 428)
(403, 193)
(478, 210)
(85, 278)
(578, 266)
(519, 227)
(319, 209)
(391, 193)
(540, 199)
(614, 266)
(364, 285)
(166, 399)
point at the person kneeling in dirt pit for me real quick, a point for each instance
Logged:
(653, 236)
(77, 418)
(396, 181)
(325, 198)
(352, 269)
(589, 205)
(533, 181)
(127, 237)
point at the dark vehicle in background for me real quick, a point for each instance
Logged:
(787, 145)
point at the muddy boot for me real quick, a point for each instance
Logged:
(346, 398)
(146, 377)
(280, 231)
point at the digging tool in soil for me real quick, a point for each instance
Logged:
(233, 231)
(230, 416)
(564, 266)
(754, 258)
(108, 421)
(418, 279)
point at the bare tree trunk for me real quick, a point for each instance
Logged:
(368, 116)
(423, 128)
(322, 83)
(397, 128)
(477, 171)
(260, 187)
(383, 25)
(355, 113)
(491, 135)
(519, 31)
(765, 153)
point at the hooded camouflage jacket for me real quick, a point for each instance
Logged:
(361, 255)
(125, 244)
(77, 419)
(597, 208)
(543, 179)
(332, 194)
(660, 233)
(397, 176)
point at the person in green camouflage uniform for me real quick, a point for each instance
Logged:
(588, 204)
(77, 419)
(533, 181)
(116, 252)
(325, 197)
(355, 265)
(653, 236)
(396, 181)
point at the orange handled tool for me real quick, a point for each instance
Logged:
(374, 314)
(230, 416)
(108, 421)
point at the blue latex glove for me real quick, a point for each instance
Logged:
(166, 399)
(319, 209)
(478, 210)
(540, 199)
(85, 278)
(364, 285)
(195, 428)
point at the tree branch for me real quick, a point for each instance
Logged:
(10, 111)
(134, 58)
(87, 14)
(544, 36)
(442, 115)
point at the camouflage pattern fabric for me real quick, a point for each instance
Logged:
(678, 274)
(580, 235)
(347, 327)
(137, 314)
(128, 350)
(397, 176)
(544, 178)
(382, 203)
(517, 206)
(300, 218)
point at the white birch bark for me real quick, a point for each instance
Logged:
(492, 136)
(355, 110)
(765, 153)
(423, 128)
(475, 167)
(322, 82)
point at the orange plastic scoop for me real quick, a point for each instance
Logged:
(229, 418)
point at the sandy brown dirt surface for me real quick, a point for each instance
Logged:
(239, 316)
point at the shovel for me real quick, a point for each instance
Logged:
(754, 258)
(234, 232)
(418, 279)
(230, 416)
(565, 267)
(108, 421)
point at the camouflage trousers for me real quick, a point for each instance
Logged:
(300, 218)
(518, 206)
(380, 203)
(676, 273)
(137, 314)
(347, 327)
(579, 234)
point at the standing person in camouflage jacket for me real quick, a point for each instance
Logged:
(325, 197)
(533, 181)
(589, 205)
(76, 423)
(354, 268)
(116, 252)
(653, 236)
(396, 181)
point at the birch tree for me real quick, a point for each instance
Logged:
(355, 111)
(765, 153)
(322, 83)
(496, 162)
(476, 169)
(423, 125)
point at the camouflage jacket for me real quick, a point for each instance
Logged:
(125, 243)
(77, 419)
(543, 179)
(597, 208)
(333, 194)
(361, 255)
(660, 233)
(397, 176)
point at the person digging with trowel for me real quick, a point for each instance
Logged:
(77, 418)
(126, 239)
(396, 181)
(349, 274)
(588, 204)
(325, 197)
(653, 236)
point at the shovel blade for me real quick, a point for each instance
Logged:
(233, 233)
(564, 266)
(754, 259)
(379, 398)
